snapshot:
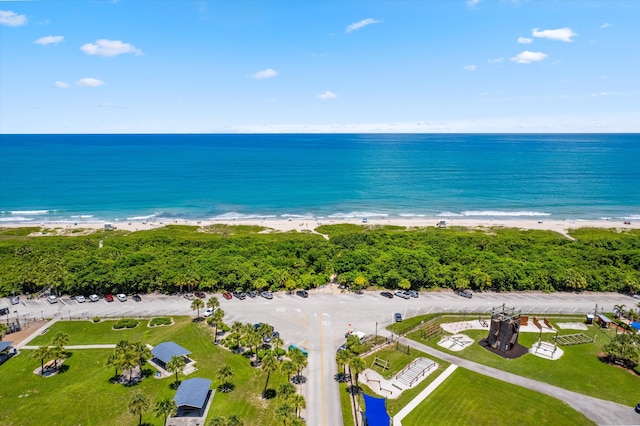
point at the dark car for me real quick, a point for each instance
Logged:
(136, 298)
(302, 293)
(387, 294)
(413, 293)
(638, 407)
(465, 293)
(189, 296)
(252, 294)
(108, 298)
(4, 311)
(270, 338)
(199, 294)
(398, 317)
(227, 295)
(239, 295)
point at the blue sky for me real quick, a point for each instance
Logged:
(134, 66)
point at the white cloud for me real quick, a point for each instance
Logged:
(327, 95)
(357, 25)
(61, 85)
(89, 82)
(473, 2)
(268, 73)
(525, 40)
(470, 67)
(605, 25)
(495, 60)
(106, 47)
(527, 57)
(12, 19)
(561, 34)
(49, 40)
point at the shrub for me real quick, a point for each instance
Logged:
(125, 323)
(160, 321)
(96, 319)
(224, 328)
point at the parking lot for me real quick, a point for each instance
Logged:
(318, 323)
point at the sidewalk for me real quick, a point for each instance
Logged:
(35, 334)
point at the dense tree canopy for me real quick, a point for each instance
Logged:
(183, 258)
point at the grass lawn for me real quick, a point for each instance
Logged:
(579, 369)
(467, 398)
(84, 395)
(346, 405)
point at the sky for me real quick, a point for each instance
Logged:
(303, 66)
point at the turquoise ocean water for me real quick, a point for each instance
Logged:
(132, 177)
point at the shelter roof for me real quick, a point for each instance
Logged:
(167, 350)
(192, 393)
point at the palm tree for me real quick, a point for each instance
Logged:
(197, 304)
(41, 353)
(213, 303)
(234, 421)
(619, 310)
(269, 364)
(251, 339)
(136, 355)
(288, 368)
(138, 404)
(216, 318)
(342, 358)
(175, 365)
(286, 390)
(356, 366)
(297, 401)
(277, 343)
(165, 408)
(284, 413)
(224, 374)
(3, 329)
(60, 339)
(298, 359)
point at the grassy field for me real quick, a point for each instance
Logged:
(468, 398)
(84, 395)
(579, 369)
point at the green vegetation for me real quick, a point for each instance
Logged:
(580, 369)
(397, 360)
(26, 399)
(624, 349)
(178, 258)
(159, 321)
(471, 398)
(125, 323)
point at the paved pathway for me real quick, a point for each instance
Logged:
(397, 419)
(108, 346)
(600, 411)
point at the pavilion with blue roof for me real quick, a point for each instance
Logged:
(192, 395)
(167, 350)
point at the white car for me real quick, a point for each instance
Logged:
(94, 298)
(80, 299)
(52, 299)
(208, 312)
(122, 297)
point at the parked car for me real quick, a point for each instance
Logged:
(267, 295)
(189, 296)
(52, 299)
(4, 311)
(136, 298)
(80, 299)
(302, 293)
(465, 293)
(199, 294)
(239, 295)
(398, 317)
(122, 297)
(387, 294)
(636, 296)
(270, 338)
(108, 298)
(402, 294)
(208, 312)
(227, 295)
(252, 294)
(413, 293)
(638, 407)
(15, 300)
(94, 297)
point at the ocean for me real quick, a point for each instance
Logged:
(75, 178)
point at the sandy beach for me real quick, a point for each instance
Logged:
(309, 224)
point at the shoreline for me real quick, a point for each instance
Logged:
(309, 224)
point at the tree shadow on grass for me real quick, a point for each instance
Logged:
(147, 372)
(228, 387)
(354, 390)
(197, 320)
(63, 368)
(175, 385)
(269, 394)
(341, 377)
(298, 379)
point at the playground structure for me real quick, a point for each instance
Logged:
(573, 339)
(457, 342)
(382, 363)
(504, 329)
(431, 330)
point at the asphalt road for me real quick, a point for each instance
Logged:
(319, 322)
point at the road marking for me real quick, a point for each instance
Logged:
(324, 420)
